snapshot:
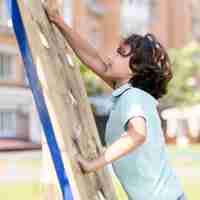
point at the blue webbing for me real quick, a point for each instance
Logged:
(39, 99)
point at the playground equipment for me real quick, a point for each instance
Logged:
(61, 101)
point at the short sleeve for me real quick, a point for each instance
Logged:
(131, 106)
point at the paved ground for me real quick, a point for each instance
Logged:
(20, 166)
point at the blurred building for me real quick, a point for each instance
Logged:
(182, 124)
(19, 125)
(175, 22)
(98, 21)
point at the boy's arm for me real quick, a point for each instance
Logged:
(130, 140)
(87, 54)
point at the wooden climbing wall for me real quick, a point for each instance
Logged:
(67, 103)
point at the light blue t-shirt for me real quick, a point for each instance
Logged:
(144, 173)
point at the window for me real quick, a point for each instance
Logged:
(95, 38)
(137, 15)
(25, 78)
(7, 124)
(195, 27)
(5, 67)
(195, 18)
(68, 11)
(96, 7)
(4, 15)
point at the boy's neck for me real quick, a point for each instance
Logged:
(119, 83)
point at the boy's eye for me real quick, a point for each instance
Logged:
(120, 51)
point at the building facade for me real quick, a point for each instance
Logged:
(98, 22)
(18, 116)
(102, 22)
(174, 22)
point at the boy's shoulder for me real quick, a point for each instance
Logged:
(137, 95)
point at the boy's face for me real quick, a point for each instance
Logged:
(120, 64)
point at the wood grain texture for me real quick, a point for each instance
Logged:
(66, 98)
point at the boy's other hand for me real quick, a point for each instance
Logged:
(53, 15)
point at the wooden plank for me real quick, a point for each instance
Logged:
(67, 103)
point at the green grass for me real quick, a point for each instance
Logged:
(191, 187)
(185, 159)
(20, 191)
(121, 195)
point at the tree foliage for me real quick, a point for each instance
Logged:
(93, 84)
(184, 88)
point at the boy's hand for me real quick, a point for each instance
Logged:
(86, 165)
(53, 15)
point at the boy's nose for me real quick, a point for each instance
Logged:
(110, 60)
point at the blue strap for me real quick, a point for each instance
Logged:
(39, 99)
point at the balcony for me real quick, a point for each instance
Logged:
(15, 144)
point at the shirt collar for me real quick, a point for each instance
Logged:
(120, 90)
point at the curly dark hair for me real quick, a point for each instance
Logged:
(149, 62)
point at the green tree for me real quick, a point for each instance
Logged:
(184, 88)
(93, 84)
